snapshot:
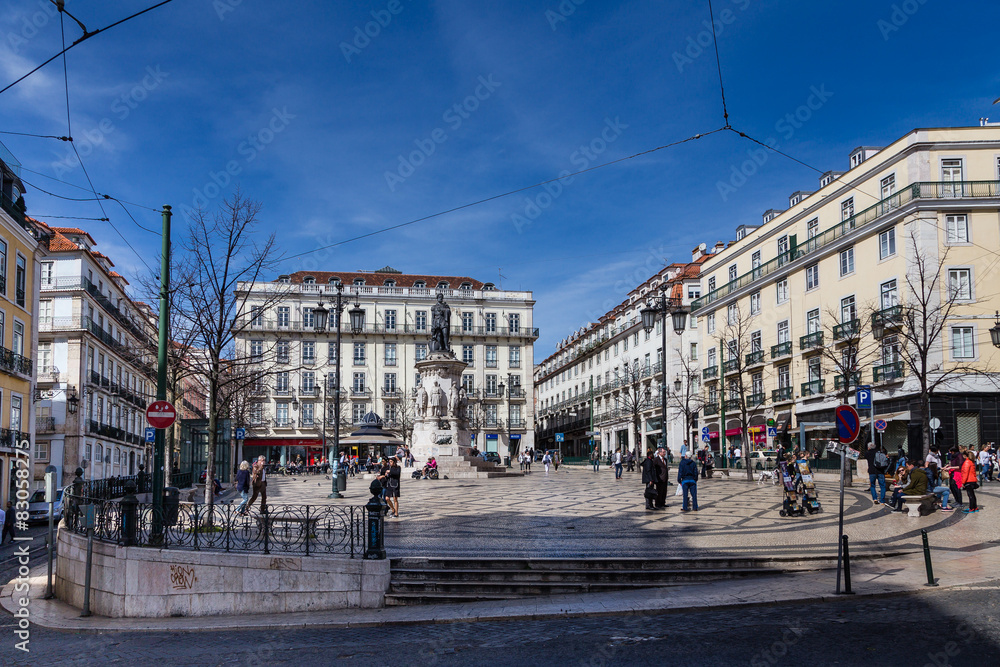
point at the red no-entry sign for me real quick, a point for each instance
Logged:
(848, 424)
(160, 414)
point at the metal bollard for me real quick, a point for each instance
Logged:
(931, 581)
(847, 568)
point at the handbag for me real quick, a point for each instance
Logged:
(393, 483)
(650, 492)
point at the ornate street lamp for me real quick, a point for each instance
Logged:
(678, 315)
(995, 331)
(677, 383)
(357, 317)
(321, 317)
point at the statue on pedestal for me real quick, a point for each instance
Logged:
(440, 340)
(421, 405)
(453, 402)
(438, 401)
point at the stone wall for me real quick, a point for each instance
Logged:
(137, 582)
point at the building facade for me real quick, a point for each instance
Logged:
(607, 378)
(829, 293)
(96, 363)
(292, 411)
(22, 244)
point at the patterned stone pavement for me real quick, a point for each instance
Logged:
(578, 513)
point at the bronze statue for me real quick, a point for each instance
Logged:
(440, 340)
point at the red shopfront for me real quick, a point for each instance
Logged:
(288, 449)
(734, 437)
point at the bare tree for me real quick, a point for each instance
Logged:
(742, 371)
(687, 400)
(635, 397)
(223, 252)
(406, 414)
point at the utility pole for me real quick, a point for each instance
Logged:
(161, 374)
(722, 406)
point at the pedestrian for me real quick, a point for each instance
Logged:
(916, 486)
(648, 467)
(555, 460)
(942, 491)
(702, 458)
(547, 460)
(687, 477)
(595, 459)
(243, 487)
(630, 461)
(7, 519)
(984, 462)
(390, 485)
(969, 481)
(662, 475)
(738, 454)
(258, 480)
(955, 478)
(878, 463)
(618, 463)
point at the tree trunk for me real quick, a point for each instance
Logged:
(210, 460)
(925, 427)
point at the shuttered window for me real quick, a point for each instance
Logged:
(967, 427)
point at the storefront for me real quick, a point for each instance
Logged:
(285, 450)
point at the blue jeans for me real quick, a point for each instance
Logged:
(944, 492)
(597, 464)
(245, 495)
(690, 485)
(618, 470)
(880, 478)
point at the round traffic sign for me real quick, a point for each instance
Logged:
(935, 423)
(880, 425)
(848, 423)
(160, 414)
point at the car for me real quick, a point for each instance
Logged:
(492, 457)
(766, 458)
(38, 509)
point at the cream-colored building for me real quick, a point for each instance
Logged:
(610, 373)
(491, 330)
(813, 279)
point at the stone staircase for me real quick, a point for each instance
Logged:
(473, 467)
(457, 580)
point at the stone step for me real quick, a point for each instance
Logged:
(431, 564)
(405, 599)
(405, 577)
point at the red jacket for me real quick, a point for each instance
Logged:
(967, 473)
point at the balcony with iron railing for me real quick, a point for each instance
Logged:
(710, 372)
(309, 392)
(756, 400)
(888, 317)
(517, 424)
(887, 372)
(730, 366)
(782, 395)
(813, 387)
(45, 424)
(926, 190)
(781, 350)
(360, 392)
(248, 323)
(14, 439)
(731, 405)
(391, 392)
(710, 409)
(847, 330)
(811, 341)
(517, 393)
(755, 358)
(852, 380)
(15, 364)
(282, 422)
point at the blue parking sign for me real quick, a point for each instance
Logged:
(560, 437)
(150, 434)
(864, 401)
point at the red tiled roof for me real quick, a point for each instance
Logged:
(375, 278)
(73, 230)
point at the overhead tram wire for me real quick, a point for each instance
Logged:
(80, 40)
(718, 64)
(65, 217)
(501, 195)
(80, 187)
(40, 136)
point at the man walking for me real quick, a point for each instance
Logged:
(687, 477)
(8, 523)
(648, 479)
(618, 463)
(662, 474)
(258, 480)
(878, 463)
(595, 459)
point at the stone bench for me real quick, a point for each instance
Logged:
(919, 505)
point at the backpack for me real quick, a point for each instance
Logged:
(881, 460)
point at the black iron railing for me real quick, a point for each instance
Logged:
(283, 529)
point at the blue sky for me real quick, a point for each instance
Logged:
(312, 120)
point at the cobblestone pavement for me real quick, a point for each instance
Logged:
(940, 628)
(575, 512)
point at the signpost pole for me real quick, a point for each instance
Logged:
(848, 426)
(161, 374)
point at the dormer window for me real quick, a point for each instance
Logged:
(465, 286)
(389, 283)
(442, 285)
(334, 280)
(284, 279)
(359, 281)
(489, 287)
(308, 280)
(420, 284)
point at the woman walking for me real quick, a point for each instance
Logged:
(969, 481)
(390, 483)
(243, 487)
(648, 479)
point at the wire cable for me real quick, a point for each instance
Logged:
(40, 136)
(80, 187)
(500, 196)
(84, 37)
(718, 63)
(65, 217)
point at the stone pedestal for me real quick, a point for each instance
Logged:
(440, 430)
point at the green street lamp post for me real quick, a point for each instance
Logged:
(678, 315)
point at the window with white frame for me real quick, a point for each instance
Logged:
(44, 358)
(888, 186)
(732, 272)
(956, 229)
(756, 342)
(420, 320)
(732, 314)
(846, 208)
(784, 376)
(256, 350)
(755, 303)
(308, 381)
(815, 366)
(308, 319)
(781, 290)
(281, 351)
(41, 450)
(389, 383)
(390, 354)
(710, 322)
(283, 316)
(308, 414)
(711, 357)
(514, 321)
(331, 352)
(359, 353)
(960, 284)
(468, 321)
(812, 321)
(848, 309)
(694, 352)
(784, 332)
(812, 228)
(420, 351)
(887, 243)
(491, 356)
(755, 262)
(782, 245)
(389, 317)
(358, 386)
(256, 316)
(308, 351)
(888, 294)
(514, 356)
(17, 340)
(491, 322)
(468, 382)
(281, 382)
(711, 284)
(358, 412)
(812, 276)
(951, 174)
(468, 354)
(281, 417)
(963, 343)
(847, 261)
(890, 350)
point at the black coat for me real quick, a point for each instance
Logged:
(648, 471)
(662, 471)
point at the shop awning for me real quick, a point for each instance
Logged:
(282, 442)
(892, 416)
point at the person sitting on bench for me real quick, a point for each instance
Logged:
(916, 487)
